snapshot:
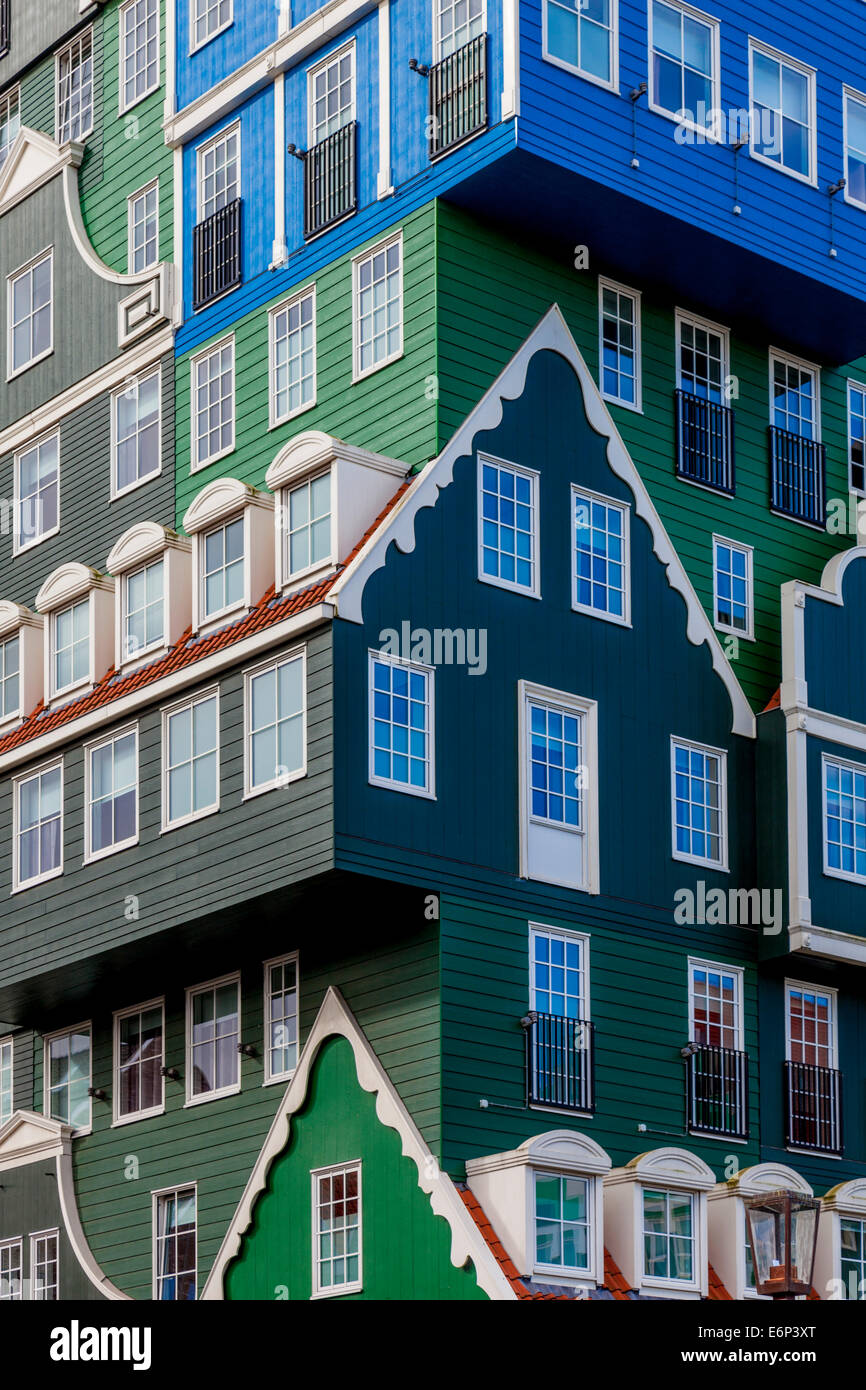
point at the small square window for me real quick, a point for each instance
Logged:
(601, 557)
(507, 525)
(276, 724)
(74, 89)
(190, 751)
(142, 212)
(378, 307)
(699, 804)
(337, 1230)
(293, 357)
(213, 405)
(136, 423)
(222, 569)
(68, 1076)
(111, 794)
(732, 587)
(213, 1034)
(38, 832)
(139, 51)
(175, 1254)
(401, 725)
(281, 1017)
(30, 335)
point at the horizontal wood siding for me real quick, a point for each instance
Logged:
(33, 29)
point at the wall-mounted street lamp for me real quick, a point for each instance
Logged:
(783, 1232)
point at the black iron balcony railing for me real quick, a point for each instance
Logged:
(559, 1062)
(797, 467)
(458, 96)
(5, 6)
(813, 1107)
(717, 1091)
(330, 179)
(705, 442)
(216, 249)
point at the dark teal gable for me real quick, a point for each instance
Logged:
(834, 653)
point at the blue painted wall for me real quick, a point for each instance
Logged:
(254, 27)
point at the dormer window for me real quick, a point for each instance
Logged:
(78, 650)
(20, 662)
(152, 566)
(308, 526)
(730, 1251)
(71, 646)
(840, 1255)
(655, 1212)
(230, 524)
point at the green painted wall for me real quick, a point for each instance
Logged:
(405, 1247)
(30, 1204)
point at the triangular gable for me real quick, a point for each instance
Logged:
(28, 1138)
(551, 334)
(33, 159)
(335, 1018)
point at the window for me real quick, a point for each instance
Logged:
(853, 1252)
(702, 358)
(332, 94)
(44, 1266)
(222, 576)
(209, 18)
(139, 51)
(600, 584)
(378, 307)
(783, 112)
(732, 586)
(857, 436)
(619, 344)
(213, 1033)
(31, 315)
(71, 631)
(175, 1245)
(6, 1086)
(293, 357)
(811, 1025)
(10, 698)
(143, 610)
(844, 818)
(213, 387)
(714, 1005)
(669, 1239)
(190, 744)
(562, 1233)
(684, 62)
(401, 725)
(455, 24)
(581, 35)
(307, 526)
(281, 1017)
(37, 493)
(276, 724)
(794, 397)
(337, 1230)
(559, 840)
(111, 794)
(67, 1077)
(38, 829)
(74, 81)
(855, 147)
(508, 525)
(136, 425)
(699, 804)
(142, 218)
(559, 973)
(219, 172)
(10, 121)
(138, 1057)
(11, 1285)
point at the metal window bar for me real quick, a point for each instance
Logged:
(717, 1091)
(330, 179)
(217, 254)
(559, 1062)
(798, 471)
(705, 441)
(813, 1107)
(458, 96)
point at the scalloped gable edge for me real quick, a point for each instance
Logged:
(794, 690)
(551, 334)
(335, 1019)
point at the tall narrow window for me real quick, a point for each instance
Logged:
(111, 794)
(213, 409)
(401, 725)
(794, 405)
(45, 1266)
(281, 1017)
(456, 23)
(30, 314)
(190, 744)
(175, 1254)
(559, 979)
(337, 1230)
(67, 1077)
(332, 95)
(307, 528)
(601, 556)
(783, 111)
(213, 1034)
(222, 576)
(580, 35)
(138, 1058)
(856, 437)
(38, 814)
(142, 213)
(74, 82)
(699, 804)
(855, 148)
(559, 837)
(669, 1235)
(619, 344)
(293, 357)
(702, 358)
(732, 586)
(852, 1242)
(508, 525)
(209, 18)
(219, 172)
(10, 667)
(684, 62)
(275, 718)
(137, 452)
(6, 1091)
(811, 1026)
(10, 121)
(139, 51)
(378, 307)
(562, 1228)
(714, 1006)
(143, 610)
(844, 818)
(71, 646)
(37, 492)
(11, 1283)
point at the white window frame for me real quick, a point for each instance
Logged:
(63, 691)
(13, 714)
(233, 978)
(115, 397)
(118, 1018)
(429, 791)
(196, 465)
(854, 385)
(714, 24)
(218, 617)
(188, 703)
(570, 1275)
(610, 84)
(17, 885)
(155, 1197)
(333, 1170)
(312, 73)
(529, 693)
(534, 478)
(222, 135)
(86, 1027)
(152, 187)
(290, 957)
(15, 1242)
(833, 995)
(131, 659)
(624, 508)
(698, 963)
(195, 47)
(249, 676)
(17, 547)
(10, 99)
(122, 104)
(286, 576)
(11, 371)
(848, 764)
(635, 296)
(357, 261)
(61, 52)
(681, 317)
(805, 70)
(436, 10)
(583, 940)
(91, 855)
(656, 1281)
(35, 1238)
(774, 356)
(722, 863)
(748, 634)
(309, 292)
(9, 1042)
(859, 99)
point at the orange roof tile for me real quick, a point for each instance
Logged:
(774, 701)
(716, 1289)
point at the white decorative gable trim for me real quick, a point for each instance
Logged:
(14, 616)
(336, 1019)
(33, 160)
(314, 449)
(552, 334)
(141, 543)
(68, 583)
(848, 1198)
(762, 1177)
(559, 1149)
(667, 1168)
(222, 498)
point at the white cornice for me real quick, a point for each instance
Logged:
(559, 1149)
(222, 498)
(27, 1137)
(761, 1177)
(68, 583)
(830, 945)
(848, 1198)
(314, 449)
(33, 161)
(141, 543)
(14, 616)
(669, 1167)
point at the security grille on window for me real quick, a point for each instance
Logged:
(175, 1252)
(75, 89)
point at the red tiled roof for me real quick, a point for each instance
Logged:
(774, 701)
(716, 1289)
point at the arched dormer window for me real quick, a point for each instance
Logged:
(79, 634)
(153, 608)
(231, 525)
(729, 1249)
(655, 1216)
(21, 671)
(840, 1258)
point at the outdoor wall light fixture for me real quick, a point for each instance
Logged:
(783, 1231)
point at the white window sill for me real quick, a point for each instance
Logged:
(117, 493)
(224, 453)
(280, 1080)
(636, 407)
(189, 820)
(608, 84)
(277, 420)
(599, 613)
(208, 1096)
(19, 549)
(276, 785)
(32, 363)
(561, 1110)
(94, 858)
(336, 1293)
(34, 882)
(734, 632)
(506, 584)
(403, 787)
(377, 366)
(808, 179)
(197, 47)
(139, 1115)
(720, 866)
(136, 101)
